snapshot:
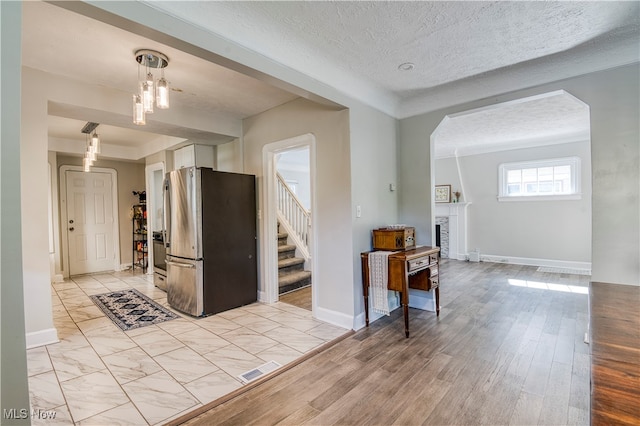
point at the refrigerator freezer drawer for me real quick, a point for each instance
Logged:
(160, 280)
(185, 286)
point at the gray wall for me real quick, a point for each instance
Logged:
(447, 173)
(355, 163)
(555, 230)
(613, 97)
(13, 366)
(229, 156)
(332, 211)
(374, 162)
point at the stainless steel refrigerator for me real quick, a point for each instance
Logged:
(210, 225)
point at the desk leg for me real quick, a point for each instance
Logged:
(406, 321)
(438, 301)
(366, 308)
(365, 286)
(404, 298)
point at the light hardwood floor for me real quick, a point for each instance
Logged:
(507, 349)
(300, 298)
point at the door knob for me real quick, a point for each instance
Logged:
(71, 229)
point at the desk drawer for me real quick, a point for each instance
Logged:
(419, 263)
(423, 280)
(434, 282)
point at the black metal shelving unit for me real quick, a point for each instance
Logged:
(140, 257)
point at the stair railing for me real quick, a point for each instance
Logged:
(294, 217)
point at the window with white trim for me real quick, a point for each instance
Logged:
(553, 179)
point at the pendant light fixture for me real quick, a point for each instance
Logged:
(92, 145)
(150, 92)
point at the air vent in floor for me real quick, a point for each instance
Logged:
(564, 270)
(258, 372)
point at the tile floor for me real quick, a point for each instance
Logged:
(100, 375)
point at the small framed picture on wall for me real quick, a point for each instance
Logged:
(443, 193)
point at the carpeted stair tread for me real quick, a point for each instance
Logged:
(293, 277)
(286, 247)
(292, 261)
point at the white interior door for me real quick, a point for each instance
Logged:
(90, 222)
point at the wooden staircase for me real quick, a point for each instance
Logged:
(291, 273)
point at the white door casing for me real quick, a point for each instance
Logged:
(89, 209)
(155, 205)
(268, 223)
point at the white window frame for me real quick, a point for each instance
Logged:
(574, 162)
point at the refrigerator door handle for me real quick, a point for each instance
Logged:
(180, 265)
(166, 214)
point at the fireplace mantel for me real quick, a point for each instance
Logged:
(457, 214)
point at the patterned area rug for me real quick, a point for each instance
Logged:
(130, 309)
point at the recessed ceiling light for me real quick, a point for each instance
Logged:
(407, 66)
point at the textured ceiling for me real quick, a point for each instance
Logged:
(358, 46)
(550, 118)
(462, 51)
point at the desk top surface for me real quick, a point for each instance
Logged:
(410, 254)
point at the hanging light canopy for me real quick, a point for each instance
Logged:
(150, 92)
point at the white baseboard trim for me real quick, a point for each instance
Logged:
(42, 337)
(58, 278)
(360, 319)
(536, 262)
(424, 300)
(263, 297)
(336, 318)
(125, 266)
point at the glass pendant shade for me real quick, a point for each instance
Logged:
(86, 164)
(95, 143)
(150, 92)
(138, 111)
(146, 92)
(162, 94)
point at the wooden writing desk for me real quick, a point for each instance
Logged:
(416, 268)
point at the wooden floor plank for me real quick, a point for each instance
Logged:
(497, 354)
(527, 409)
(300, 298)
(615, 351)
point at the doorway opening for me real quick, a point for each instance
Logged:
(490, 211)
(288, 229)
(89, 210)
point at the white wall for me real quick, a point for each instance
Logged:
(536, 230)
(613, 97)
